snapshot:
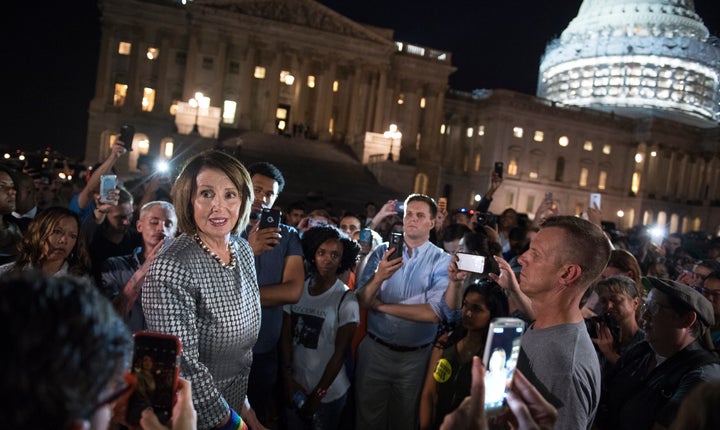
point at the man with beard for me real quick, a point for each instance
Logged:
(280, 276)
(122, 277)
(647, 385)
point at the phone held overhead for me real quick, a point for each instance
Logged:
(500, 357)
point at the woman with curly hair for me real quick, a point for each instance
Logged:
(317, 332)
(53, 244)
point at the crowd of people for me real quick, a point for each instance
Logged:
(321, 322)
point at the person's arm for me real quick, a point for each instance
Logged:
(454, 292)
(421, 312)
(93, 184)
(130, 291)
(343, 337)
(286, 358)
(484, 203)
(428, 397)
(291, 287)
(385, 269)
(507, 280)
(385, 211)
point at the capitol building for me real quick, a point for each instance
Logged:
(628, 103)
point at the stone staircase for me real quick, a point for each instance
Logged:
(323, 174)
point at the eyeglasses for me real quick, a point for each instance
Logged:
(652, 308)
(120, 389)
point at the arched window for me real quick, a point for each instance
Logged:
(559, 169)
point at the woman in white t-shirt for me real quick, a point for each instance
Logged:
(317, 332)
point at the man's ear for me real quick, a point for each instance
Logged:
(570, 274)
(687, 320)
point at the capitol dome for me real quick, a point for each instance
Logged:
(636, 58)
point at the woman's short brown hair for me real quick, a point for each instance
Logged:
(185, 187)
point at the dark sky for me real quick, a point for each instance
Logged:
(49, 53)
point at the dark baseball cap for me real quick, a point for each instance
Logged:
(691, 297)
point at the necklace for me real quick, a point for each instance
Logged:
(207, 249)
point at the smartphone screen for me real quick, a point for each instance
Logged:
(396, 242)
(595, 201)
(155, 365)
(107, 183)
(442, 204)
(471, 262)
(366, 236)
(270, 218)
(399, 207)
(502, 349)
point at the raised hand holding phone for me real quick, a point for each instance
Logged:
(502, 349)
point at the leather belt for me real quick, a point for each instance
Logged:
(397, 348)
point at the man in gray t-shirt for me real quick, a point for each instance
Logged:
(557, 355)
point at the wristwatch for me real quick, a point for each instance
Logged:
(321, 393)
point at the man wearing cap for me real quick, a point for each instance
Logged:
(647, 385)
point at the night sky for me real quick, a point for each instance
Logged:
(50, 50)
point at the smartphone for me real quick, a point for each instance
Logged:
(107, 183)
(499, 167)
(500, 357)
(127, 134)
(595, 201)
(155, 365)
(442, 204)
(470, 262)
(399, 207)
(366, 236)
(270, 218)
(396, 242)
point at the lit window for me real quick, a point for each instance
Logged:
(281, 125)
(120, 94)
(331, 125)
(606, 149)
(639, 158)
(422, 103)
(259, 72)
(539, 136)
(563, 141)
(518, 132)
(311, 81)
(336, 86)
(148, 101)
(477, 162)
(513, 167)
(635, 186)
(281, 113)
(470, 132)
(287, 78)
(229, 109)
(442, 129)
(152, 53)
(481, 130)
(400, 99)
(169, 148)
(587, 145)
(124, 48)
(602, 180)
(533, 175)
(584, 172)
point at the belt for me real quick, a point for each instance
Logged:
(397, 348)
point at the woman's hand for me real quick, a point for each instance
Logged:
(184, 416)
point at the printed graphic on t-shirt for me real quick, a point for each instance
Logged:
(306, 330)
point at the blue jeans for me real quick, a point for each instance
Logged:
(327, 417)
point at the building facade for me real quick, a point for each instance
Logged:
(197, 75)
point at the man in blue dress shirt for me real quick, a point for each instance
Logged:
(405, 296)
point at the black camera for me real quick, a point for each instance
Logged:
(605, 319)
(487, 218)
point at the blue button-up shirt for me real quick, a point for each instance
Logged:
(423, 278)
